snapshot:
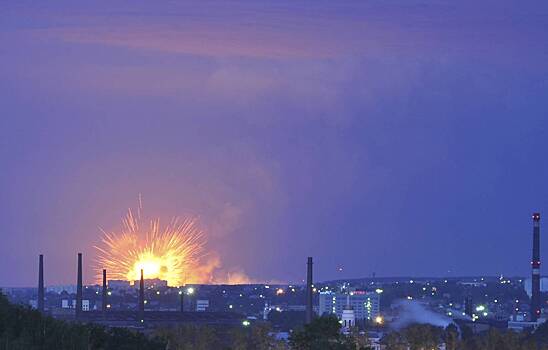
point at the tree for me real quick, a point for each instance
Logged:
(257, 337)
(394, 341)
(190, 337)
(451, 337)
(23, 328)
(321, 333)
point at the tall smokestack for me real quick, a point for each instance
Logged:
(182, 294)
(79, 287)
(104, 301)
(468, 306)
(535, 264)
(142, 296)
(309, 310)
(41, 283)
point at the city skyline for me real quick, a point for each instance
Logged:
(401, 139)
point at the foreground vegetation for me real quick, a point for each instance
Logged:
(23, 328)
(26, 329)
(422, 337)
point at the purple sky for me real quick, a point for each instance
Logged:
(398, 137)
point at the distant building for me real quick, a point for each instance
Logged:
(71, 304)
(118, 284)
(71, 289)
(155, 283)
(348, 317)
(543, 285)
(202, 305)
(366, 305)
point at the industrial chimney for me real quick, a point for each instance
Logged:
(41, 283)
(142, 296)
(535, 264)
(182, 294)
(79, 287)
(104, 301)
(468, 306)
(309, 311)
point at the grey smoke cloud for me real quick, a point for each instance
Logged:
(410, 311)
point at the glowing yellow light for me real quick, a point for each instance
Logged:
(246, 323)
(170, 253)
(279, 291)
(190, 290)
(379, 320)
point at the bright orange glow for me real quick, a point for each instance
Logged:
(170, 253)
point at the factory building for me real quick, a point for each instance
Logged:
(202, 305)
(366, 305)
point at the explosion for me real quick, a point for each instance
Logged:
(171, 253)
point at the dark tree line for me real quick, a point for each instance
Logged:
(26, 329)
(422, 337)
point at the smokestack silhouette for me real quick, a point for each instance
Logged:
(182, 293)
(535, 264)
(142, 296)
(79, 287)
(104, 290)
(468, 306)
(309, 311)
(41, 283)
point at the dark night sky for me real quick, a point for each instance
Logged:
(399, 137)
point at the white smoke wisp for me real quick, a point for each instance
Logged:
(410, 311)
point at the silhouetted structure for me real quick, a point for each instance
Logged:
(104, 301)
(79, 287)
(182, 294)
(142, 296)
(135, 319)
(535, 264)
(309, 286)
(41, 284)
(468, 306)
